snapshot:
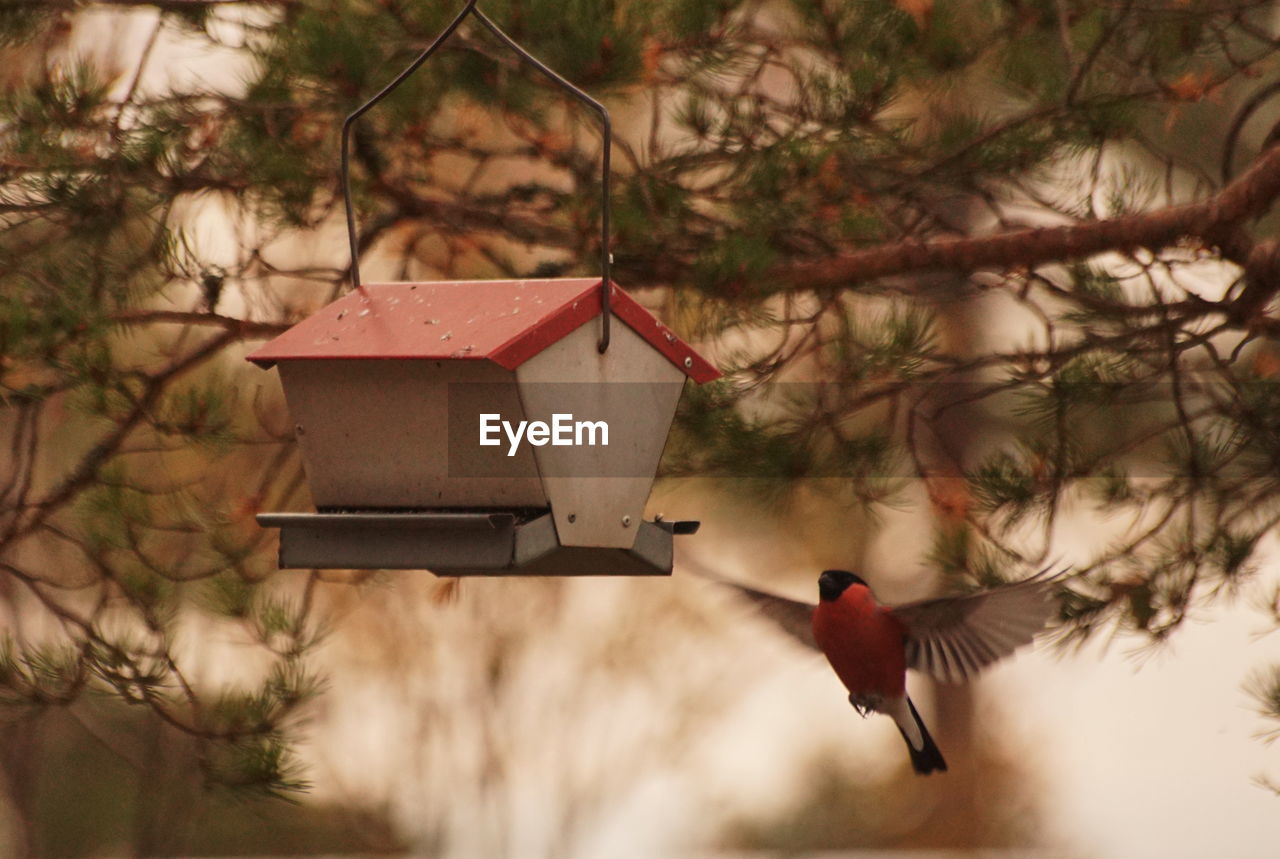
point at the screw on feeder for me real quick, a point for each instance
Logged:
(606, 135)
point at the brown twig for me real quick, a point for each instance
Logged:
(1247, 197)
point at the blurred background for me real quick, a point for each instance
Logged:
(818, 195)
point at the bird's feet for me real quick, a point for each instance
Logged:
(865, 704)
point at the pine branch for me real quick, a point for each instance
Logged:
(1209, 220)
(86, 472)
(243, 328)
(162, 5)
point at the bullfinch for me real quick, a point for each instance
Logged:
(871, 646)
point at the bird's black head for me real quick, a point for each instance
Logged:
(832, 583)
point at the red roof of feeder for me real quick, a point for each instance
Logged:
(504, 321)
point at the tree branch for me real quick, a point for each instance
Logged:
(86, 471)
(243, 328)
(1247, 197)
(162, 5)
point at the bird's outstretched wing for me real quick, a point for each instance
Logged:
(795, 617)
(952, 638)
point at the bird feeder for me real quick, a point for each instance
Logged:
(498, 427)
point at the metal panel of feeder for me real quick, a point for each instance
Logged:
(460, 544)
(503, 321)
(598, 492)
(394, 541)
(506, 322)
(374, 434)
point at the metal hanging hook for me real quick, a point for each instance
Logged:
(606, 133)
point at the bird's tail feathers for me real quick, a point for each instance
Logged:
(925, 755)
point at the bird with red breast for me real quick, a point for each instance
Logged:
(870, 646)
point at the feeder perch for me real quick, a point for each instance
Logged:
(387, 388)
(390, 388)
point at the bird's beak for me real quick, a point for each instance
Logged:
(828, 588)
